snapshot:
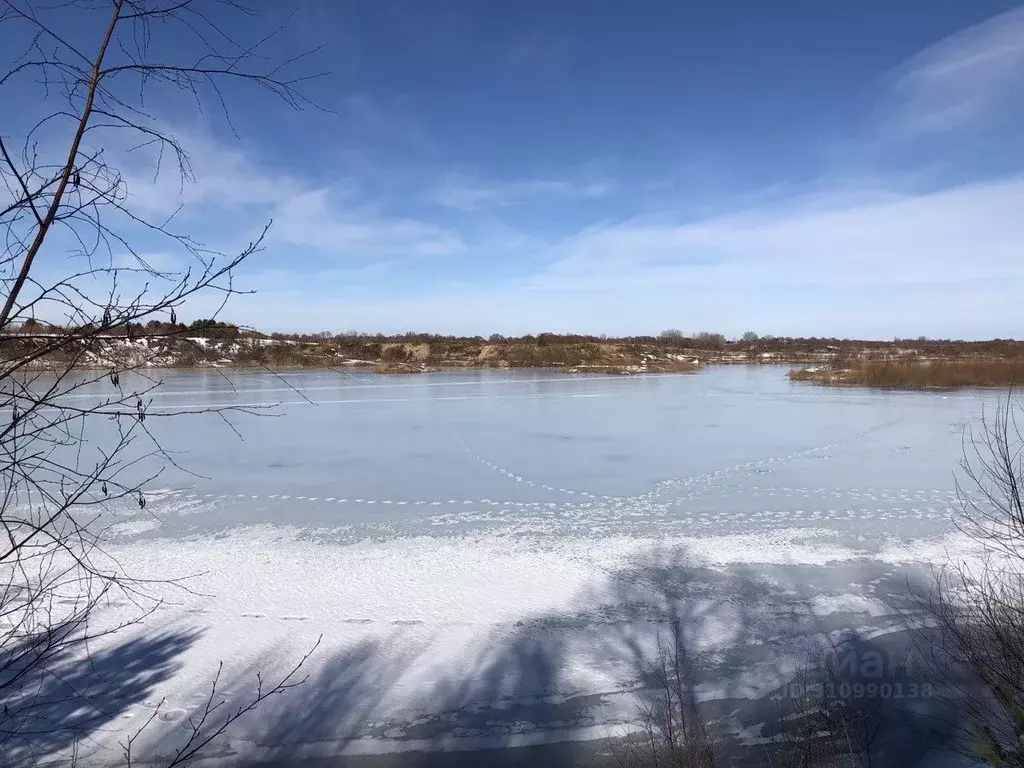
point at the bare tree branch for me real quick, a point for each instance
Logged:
(76, 410)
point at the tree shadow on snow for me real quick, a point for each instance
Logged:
(55, 691)
(752, 633)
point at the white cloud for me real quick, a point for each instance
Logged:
(967, 77)
(872, 265)
(468, 194)
(964, 233)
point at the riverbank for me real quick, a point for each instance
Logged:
(825, 361)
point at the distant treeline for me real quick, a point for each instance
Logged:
(675, 339)
(197, 328)
(749, 341)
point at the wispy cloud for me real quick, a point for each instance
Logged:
(234, 194)
(467, 194)
(967, 77)
(223, 178)
(313, 219)
(964, 233)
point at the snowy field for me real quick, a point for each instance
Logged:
(491, 557)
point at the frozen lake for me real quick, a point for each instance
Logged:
(491, 556)
(733, 450)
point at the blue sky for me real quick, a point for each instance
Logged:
(796, 168)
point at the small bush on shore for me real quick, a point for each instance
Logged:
(709, 340)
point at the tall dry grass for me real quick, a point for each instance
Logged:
(921, 374)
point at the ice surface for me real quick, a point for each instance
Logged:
(491, 557)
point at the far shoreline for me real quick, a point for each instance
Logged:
(918, 364)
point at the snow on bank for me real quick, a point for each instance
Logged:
(462, 642)
(484, 578)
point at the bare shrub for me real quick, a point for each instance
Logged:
(830, 712)
(709, 340)
(76, 440)
(673, 731)
(975, 650)
(833, 709)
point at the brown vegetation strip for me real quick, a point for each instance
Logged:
(920, 374)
